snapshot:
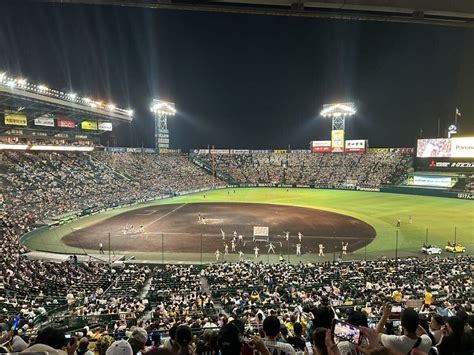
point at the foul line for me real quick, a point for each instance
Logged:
(167, 214)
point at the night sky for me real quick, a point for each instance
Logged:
(246, 81)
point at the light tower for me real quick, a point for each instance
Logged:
(338, 113)
(162, 110)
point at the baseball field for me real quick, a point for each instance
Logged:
(189, 228)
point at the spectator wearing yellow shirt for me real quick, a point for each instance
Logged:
(428, 298)
(397, 296)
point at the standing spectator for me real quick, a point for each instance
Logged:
(454, 339)
(271, 328)
(83, 348)
(437, 322)
(414, 336)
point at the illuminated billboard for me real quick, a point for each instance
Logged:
(355, 145)
(320, 146)
(337, 140)
(445, 148)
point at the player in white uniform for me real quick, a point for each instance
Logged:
(218, 254)
(256, 250)
(226, 249)
(321, 250)
(287, 236)
(241, 238)
(271, 248)
(235, 234)
(300, 236)
(223, 234)
(241, 255)
(232, 244)
(298, 249)
(344, 248)
(141, 229)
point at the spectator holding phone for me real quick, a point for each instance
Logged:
(454, 340)
(413, 337)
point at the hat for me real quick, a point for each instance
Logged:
(119, 347)
(18, 344)
(229, 336)
(139, 334)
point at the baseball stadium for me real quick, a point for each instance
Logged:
(232, 208)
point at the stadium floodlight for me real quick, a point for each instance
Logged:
(337, 110)
(163, 108)
(129, 112)
(11, 84)
(338, 113)
(21, 82)
(72, 95)
(111, 107)
(2, 75)
(42, 88)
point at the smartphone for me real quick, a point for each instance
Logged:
(309, 348)
(16, 322)
(396, 309)
(346, 331)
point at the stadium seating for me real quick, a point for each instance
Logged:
(362, 169)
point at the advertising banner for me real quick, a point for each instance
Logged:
(434, 181)
(337, 140)
(46, 121)
(355, 145)
(219, 151)
(320, 146)
(279, 151)
(378, 150)
(260, 151)
(239, 151)
(65, 122)
(89, 125)
(105, 126)
(80, 136)
(462, 147)
(297, 151)
(15, 119)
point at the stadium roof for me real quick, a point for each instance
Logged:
(435, 12)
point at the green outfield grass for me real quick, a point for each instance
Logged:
(440, 218)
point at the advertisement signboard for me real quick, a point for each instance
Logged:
(432, 180)
(15, 119)
(355, 145)
(46, 121)
(105, 126)
(89, 125)
(337, 140)
(65, 122)
(320, 146)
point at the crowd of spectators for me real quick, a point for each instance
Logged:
(369, 169)
(221, 308)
